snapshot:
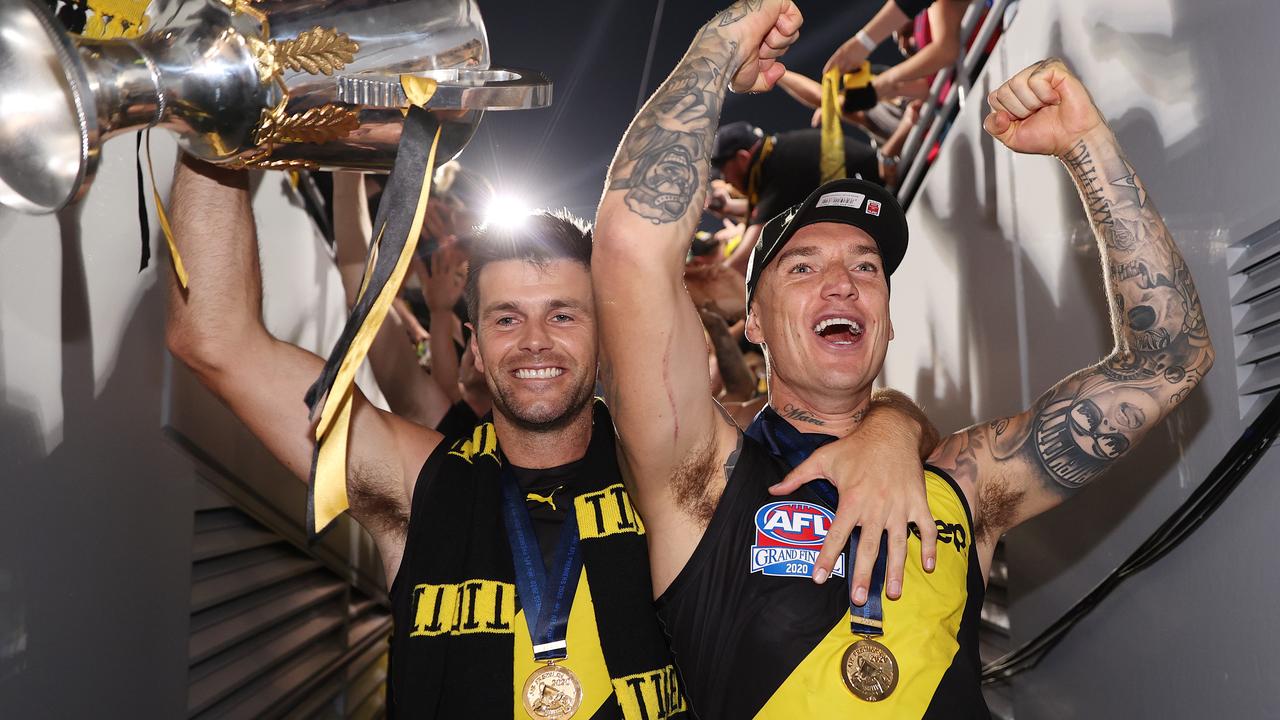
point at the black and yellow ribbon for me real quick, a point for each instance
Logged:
(395, 238)
(859, 93)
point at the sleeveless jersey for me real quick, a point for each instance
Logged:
(754, 636)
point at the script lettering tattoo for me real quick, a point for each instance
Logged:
(1080, 162)
(663, 160)
(798, 413)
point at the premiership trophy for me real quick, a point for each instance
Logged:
(295, 84)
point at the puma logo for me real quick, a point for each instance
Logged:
(548, 499)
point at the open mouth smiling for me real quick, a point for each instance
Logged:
(838, 330)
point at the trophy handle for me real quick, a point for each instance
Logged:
(456, 89)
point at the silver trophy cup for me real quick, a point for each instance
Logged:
(300, 84)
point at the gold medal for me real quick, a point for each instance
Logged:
(553, 692)
(869, 670)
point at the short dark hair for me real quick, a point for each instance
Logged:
(543, 237)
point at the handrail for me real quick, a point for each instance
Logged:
(919, 161)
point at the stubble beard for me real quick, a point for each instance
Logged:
(536, 420)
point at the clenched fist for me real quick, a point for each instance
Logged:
(1042, 110)
(763, 30)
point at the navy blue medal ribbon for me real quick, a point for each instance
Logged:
(783, 440)
(546, 594)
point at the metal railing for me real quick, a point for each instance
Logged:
(938, 112)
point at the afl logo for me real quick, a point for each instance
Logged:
(793, 523)
(788, 538)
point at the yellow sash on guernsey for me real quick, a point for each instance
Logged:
(920, 629)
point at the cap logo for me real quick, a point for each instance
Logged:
(873, 208)
(841, 199)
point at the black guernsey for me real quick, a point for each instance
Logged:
(755, 637)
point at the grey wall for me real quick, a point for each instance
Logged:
(101, 441)
(1014, 301)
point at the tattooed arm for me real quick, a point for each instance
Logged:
(1023, 465)
(654, 358)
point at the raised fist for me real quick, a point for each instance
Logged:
(763, 30)
(1042, 110)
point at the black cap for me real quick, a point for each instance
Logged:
(731, 138)
(858, 203)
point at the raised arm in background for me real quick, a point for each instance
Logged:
(215, 327)
(854, 51)
(444, 287)
(910, 76)
(410, 391)
(1021, 466)
(739, 381)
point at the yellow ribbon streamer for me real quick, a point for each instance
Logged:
(330, 484)
(178, 267)
(831, 164)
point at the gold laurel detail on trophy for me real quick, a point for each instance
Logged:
(264, 57)
(317, 125)
(319, 51)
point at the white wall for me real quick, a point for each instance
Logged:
(1013, 301)
(96, 510)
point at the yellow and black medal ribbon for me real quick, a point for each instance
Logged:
(396, 229)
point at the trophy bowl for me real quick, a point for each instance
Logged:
(293, 84)
(47, 133)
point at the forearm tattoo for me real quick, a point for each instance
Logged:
(1162, 345)
(663, 160)
(1077, 429)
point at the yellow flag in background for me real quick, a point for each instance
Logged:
(832, 161)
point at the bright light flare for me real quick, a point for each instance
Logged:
(507, 211)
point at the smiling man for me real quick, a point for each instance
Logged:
(516, 565)
(752, 639)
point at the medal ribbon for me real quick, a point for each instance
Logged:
(783, 440)
(546, 594)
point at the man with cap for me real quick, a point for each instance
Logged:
(752, 639)
(775, 172)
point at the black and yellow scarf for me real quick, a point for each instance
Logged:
(459, 663)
